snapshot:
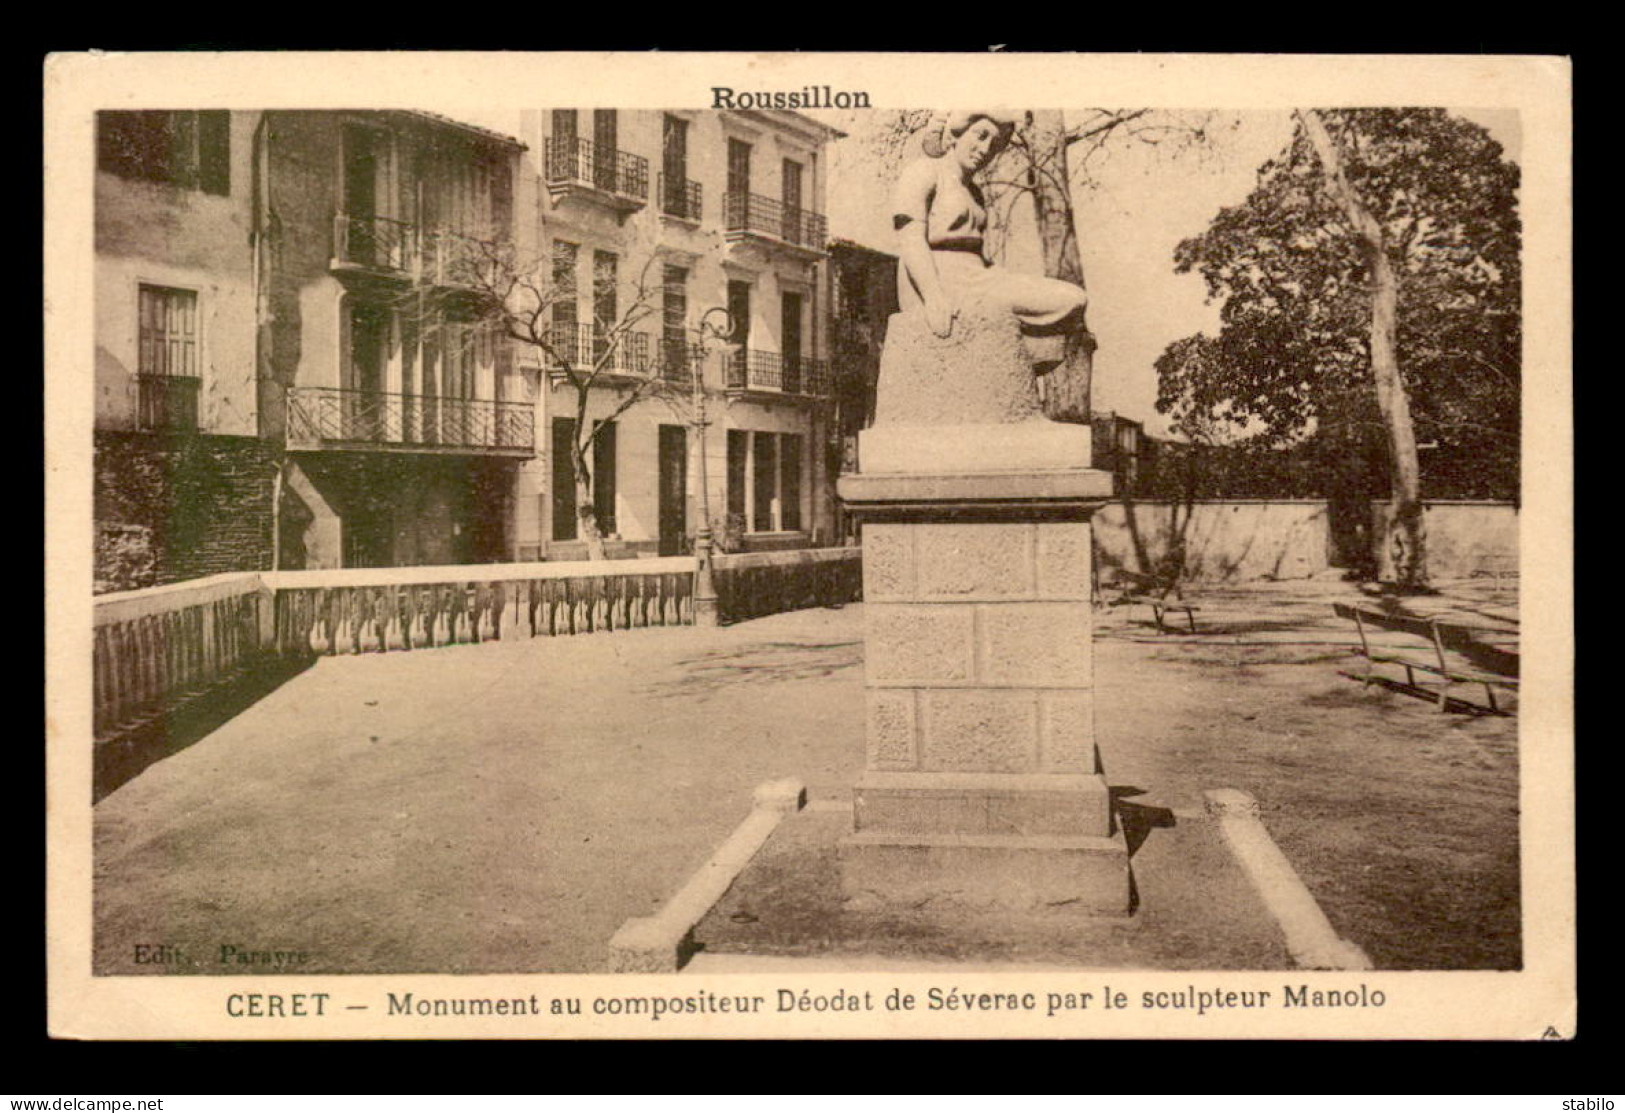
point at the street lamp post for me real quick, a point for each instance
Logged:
(705, 592)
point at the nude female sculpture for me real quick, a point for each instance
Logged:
(941, 219)
(970, 338)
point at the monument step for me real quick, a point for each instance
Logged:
(1090, 873)
(975, 804)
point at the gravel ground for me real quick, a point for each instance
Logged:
(504, 807)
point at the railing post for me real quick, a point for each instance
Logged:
(265, 599)
(705, 591)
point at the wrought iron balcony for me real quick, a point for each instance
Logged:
(620, 179)
(330, 417)
(751, 369)
(453, 259)
(751, 216)
(167, 401)
(382, 245)
(680, 198)
(679, 358)
(377, 243)
(587, 348)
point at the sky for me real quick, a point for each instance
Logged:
(1145, 200)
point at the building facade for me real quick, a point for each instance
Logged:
(660, 220)
(402, 417)
(183, 482)
(294, 368)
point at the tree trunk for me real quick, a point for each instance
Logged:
(1066, 387)
(1407, 531)
(586, 506)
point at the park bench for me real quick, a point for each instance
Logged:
(1439, 637)
(1138, 590)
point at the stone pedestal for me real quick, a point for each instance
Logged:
(982, 783)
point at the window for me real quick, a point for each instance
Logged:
(738, 167)
(791, 194)
(564, 473)
(674, 196)
(739, 312)
(674, 321)
(564, 300)
(564, 125)
(187, 149)
(605, 137)
(764, 480)
(790, 481)
(790, 341)
(168, 359)
(738, 456)
(605, 308)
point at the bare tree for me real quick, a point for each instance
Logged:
(1047, 160)
(610, 357)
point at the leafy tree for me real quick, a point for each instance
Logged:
(1370, 288)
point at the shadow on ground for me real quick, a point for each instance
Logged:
(121, 759)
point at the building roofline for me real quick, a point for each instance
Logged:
(789, 117)
(448, 121)
(854, 245)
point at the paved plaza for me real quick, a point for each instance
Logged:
(505, 807)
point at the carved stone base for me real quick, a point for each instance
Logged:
(982, 782)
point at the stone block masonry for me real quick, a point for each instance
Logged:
(982, 782)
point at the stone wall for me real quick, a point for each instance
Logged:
(1219, 541)
(172, 508)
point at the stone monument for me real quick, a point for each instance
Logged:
(982, 783)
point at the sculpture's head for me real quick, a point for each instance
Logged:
(973, 135)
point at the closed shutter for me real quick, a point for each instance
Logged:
(214, 152)
(564, 479)
(603, 466)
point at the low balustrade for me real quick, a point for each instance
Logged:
(159, 647)
(374, 610)
(752, 585)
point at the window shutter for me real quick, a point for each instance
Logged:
(603, 489)
(214, 152)
(564, 479)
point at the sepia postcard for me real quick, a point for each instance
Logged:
(565, 545)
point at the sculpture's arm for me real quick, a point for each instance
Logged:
(916, 189)
(921, 268)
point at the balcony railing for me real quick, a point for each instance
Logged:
(376, 242)
(381, 243)
(453, 259)
(754, 369)
(680, 198)
(586, 348)
(583, 162)
(319, 415)
(753, 214)
(167, 401)
(679, 358)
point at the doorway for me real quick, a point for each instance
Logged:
(673, 490)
